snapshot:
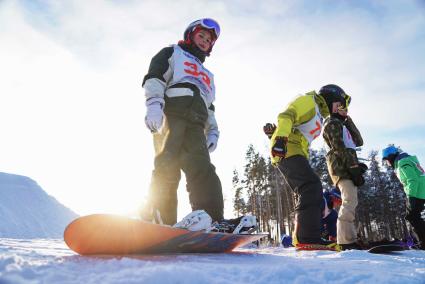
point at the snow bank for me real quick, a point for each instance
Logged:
(26, 211)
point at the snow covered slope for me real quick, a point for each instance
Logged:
(49, 261)
(26, 211)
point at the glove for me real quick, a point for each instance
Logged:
(363, 167)
(154, 117)
(278, 149)
(336, 201)
(269, 129)
(212, 140)
(356, 173)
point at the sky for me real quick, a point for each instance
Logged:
(72, 106)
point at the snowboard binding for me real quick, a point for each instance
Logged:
(200, 220)
(241, 225)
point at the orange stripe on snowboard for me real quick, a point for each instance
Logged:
(109, 234)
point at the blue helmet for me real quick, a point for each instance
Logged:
(388, 151)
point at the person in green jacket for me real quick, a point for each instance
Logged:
(412, 176)
(298, 125)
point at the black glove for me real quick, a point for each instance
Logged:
(279, 147)
(356, 173)
(269, 129)
(363, 167)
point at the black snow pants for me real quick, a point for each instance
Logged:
(184, 148)
(308, 191)
(413, 215)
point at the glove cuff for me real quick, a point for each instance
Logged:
(155, 101)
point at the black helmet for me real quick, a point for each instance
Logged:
(332, 94)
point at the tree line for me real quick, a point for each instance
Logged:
(261, 190)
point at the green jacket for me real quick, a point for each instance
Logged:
(411, 175)
(301, 110)
(340, 156)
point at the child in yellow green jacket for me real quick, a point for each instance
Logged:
(298, 125)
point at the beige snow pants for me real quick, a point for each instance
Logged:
(346, 230)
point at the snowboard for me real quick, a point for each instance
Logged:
(386, 248)
(104, 234)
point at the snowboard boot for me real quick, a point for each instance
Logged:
(195, 221)
(355, 245)
(242, 225)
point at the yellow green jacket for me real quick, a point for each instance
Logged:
(301, 110)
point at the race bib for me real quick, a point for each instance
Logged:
(188, 68)
(348, 139)
(312, 128)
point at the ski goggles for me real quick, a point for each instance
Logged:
(347, 100)
(209, 24)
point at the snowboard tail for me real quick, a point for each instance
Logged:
(386, 248)
(104, 234)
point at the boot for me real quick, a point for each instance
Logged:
(195, 221)
(351, 246)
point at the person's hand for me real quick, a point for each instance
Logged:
(343, 112)
(363, 167)
(269, 129)
(212, 140)
(356, 173)
(278, 149)
(336, 201)
(154, 117)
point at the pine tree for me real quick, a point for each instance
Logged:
(239, 205)
(381, 201)
(319, 165)
(397, 204)
(255, 181)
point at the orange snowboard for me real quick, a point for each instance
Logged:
(104, 234)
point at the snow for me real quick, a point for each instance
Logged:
(32, 251)
(50, 261)
(26, 211)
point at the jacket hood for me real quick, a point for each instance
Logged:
(320, 101)
(400, 156)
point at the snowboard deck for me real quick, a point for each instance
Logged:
(104, 234)
(386, 248)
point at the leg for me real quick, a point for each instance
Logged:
(203, 184)
(309, 197)
(166, 174)
(414, 208)
(346, 230)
